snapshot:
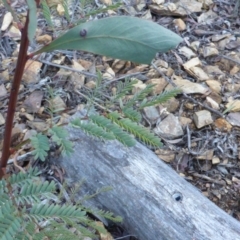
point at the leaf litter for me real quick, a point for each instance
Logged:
(206, 66)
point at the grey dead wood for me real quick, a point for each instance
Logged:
(145, 192)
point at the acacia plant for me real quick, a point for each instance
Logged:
(126, 38)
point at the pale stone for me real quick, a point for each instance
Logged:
(160, 84)
(214, 85)
(152, 114)
(202, 118)
(215, 160)
(169, 128)
(188, 86)
(180, 24)
(7, 20)
(2, 119)
(187, 52)
(206, 155)
(233, 106)
(44, 39)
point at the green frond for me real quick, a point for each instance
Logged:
(105, 214)
(21, 177)
(46, 13)
(40, 212)
(3, 188)
(123, 88)
(41, 146)
(132, 114)
(139, 96)
(33, 192)
(10, 225)
(161, 98)
(59, 136)
(66, 12)
(119, 134)
(93, 130)
(138, 131)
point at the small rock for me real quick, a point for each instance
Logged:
(210, 50)
(58, 104)
(185, 121)
(152, 114)
(160, 84)
(202, 118)
(171, 105)
(195, 45)
(233, 106)
(180, 24)
(109, 74)
(234, 119)
(33, 102)
(3, 91)
(138, 87)
(189, 105)
(215, 160)
(165, 155)
(2, 119)
(91, 84)
(169, 127)
(106, 2)
(32, 71)
(188, 86)
(214, 85)
(7, 20)
(206, 155)
(44, 39)
(187, 52)
(198, 73)
(60, 9)
(212, 103)
(223, 124)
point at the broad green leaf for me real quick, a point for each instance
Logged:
(32, 26)
(126, 38)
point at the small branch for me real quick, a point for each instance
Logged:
(22, 59)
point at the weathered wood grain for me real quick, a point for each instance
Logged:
(146, 192)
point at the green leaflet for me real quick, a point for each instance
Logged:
(32, 26)
(41, 146)
(126, 38)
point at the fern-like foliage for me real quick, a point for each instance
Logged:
(132, 114)
(66, 12)
(104, 129)
(137, 130)
(161, 98)
(46, 13)
(41, 146)
(139, 96)
(59, 136)
(123, 88)
(30, 210)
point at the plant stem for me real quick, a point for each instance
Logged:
(22, 59)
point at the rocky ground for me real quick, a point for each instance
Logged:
(199, 128)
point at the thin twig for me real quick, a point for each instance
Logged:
(16, 164)
(90, 74)
(209, 179)
(230, 59)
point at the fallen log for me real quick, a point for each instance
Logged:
(155, 202)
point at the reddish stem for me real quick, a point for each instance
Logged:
(22, 59)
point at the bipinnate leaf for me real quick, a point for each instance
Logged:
(126, 38)
(41, 146)
(32, 26)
